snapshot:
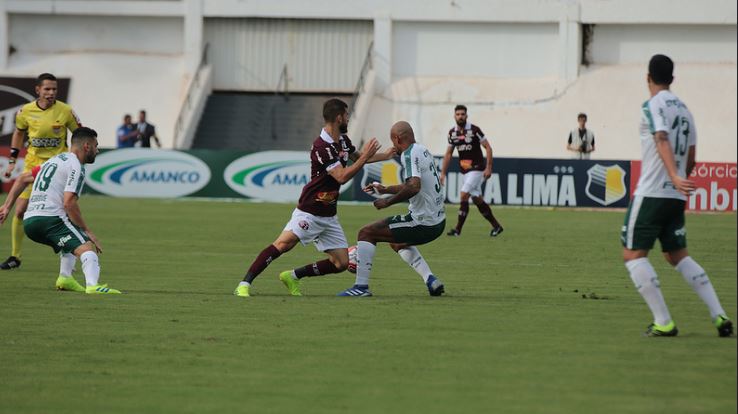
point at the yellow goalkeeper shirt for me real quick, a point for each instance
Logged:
(46, 128)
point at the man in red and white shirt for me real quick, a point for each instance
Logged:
(469, 139)
(315, 219)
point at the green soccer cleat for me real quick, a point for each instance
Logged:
(662, 330)
(242, 291)
(292, 284)
(724, 326)
(101, 290)
(68, 283)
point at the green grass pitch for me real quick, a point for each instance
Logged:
(543, 319)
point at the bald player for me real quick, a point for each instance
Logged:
(422, 224)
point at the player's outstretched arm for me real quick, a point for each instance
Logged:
(15, 142)
(383, 156)
(342, 175)
(71, 206)
(444, 166)
(403, 192)
(19, 186)
(663, 146)
(488, 168)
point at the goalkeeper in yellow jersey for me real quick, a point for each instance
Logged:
(45, 121)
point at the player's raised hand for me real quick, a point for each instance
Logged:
(683, 185)
(370, 148)
(375, 188)
(9, 170)
(4, 213)
(381, 203)
(95, 241)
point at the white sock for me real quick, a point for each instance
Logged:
(411, 255)
(244, 283)
(66, 264)
(90, 267)
(647, 283)
(364, 257)
(695, 275)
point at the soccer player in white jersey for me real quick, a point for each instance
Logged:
(423, 224)
(53, 216)
(668, 140)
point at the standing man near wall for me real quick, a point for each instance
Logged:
(668, 142)
(46, 121)
(146, 131)
(581, 140)
(469, 140)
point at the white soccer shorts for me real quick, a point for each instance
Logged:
(473, 183)
(325, 232)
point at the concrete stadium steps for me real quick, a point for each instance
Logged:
(260, 122)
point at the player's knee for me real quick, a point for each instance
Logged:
(365, 234)
(478, 200)
(341, 263)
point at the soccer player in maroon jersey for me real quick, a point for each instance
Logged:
(315, 219)
(468, 139)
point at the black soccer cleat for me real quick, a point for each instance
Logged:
(496, 231)
(453, 232)
(724, 326)
(435, 286)
(661, 330)
(11, 262)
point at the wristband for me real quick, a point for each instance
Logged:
(14, 152)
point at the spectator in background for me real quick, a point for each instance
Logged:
(581, 140)
(127, 133)
(146, 131)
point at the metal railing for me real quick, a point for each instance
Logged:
(283, 79)
(365, 67)
(188, 97)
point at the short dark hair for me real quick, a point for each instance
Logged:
(82, 134)
(44, 76)
(661, 69)
(333, 108)
(460, 108)
(142, 112)
(582, 115)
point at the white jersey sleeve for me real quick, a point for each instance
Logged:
(75, 179)
(657, 110)
(426, 207)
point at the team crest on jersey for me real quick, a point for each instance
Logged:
(606, 184)
(57, 128)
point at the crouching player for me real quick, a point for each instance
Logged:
(53, 216)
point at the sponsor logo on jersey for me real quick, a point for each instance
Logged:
(139, 172)
(605, 184)
(269, 175)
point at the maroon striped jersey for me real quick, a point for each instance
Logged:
(468, 141)
(320, 195)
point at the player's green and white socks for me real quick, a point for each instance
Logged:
(364, 257)
(411, 255)
(695, 275)
(90, 267)
(647, 283)
(66, 264)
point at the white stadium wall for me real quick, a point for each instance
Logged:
(636, 43)
(320, 55)
(105, 34)
(517, 65)
(472, 49)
